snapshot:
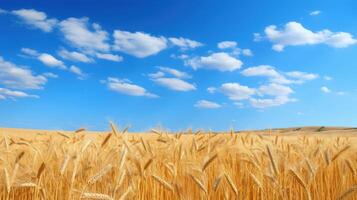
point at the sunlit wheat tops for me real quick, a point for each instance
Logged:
(302, 163)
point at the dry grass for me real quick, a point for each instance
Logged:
(275, 164)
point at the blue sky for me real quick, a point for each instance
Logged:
(177, 64)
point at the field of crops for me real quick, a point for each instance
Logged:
(274, 164)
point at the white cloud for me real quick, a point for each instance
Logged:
(174, 84)
(341, 93)
(45, 58)
(264, 103)
(110, 57)
(237, 92)
(138, 44)
(266, 71)
(294, 34)
(185, 43)
(175, 72)
(76, 70)
(295, 77)
(257, 97)
(79, 34)
(17, 77)
(30, 52)
(211, 90)
(182, 56)
(315, 13)
(74, 56)
(36, 19)
(301, 77)
(232, 46)
(274, 89)
(274, 93)
(50, 75)
(157, 74)
(227, 45)
(6, 93)
(325, 89)
(128, 88)
(247, 52)
(207, 104)
(216, 61)
(51, 61)
(261, 70)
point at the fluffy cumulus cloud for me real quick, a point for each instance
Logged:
(30, 52)
(211, 90)
(271, 102)
(175, 72)
(293, 77)
(81, 34)
(295, 34)
(301, 77)
(227, 45)
(275, 92)
(216, 61)
(207, 104)
(185, 43)
(237, 92)
(13, 94)
(274, 89)
(110, 57)
(128, 88)
(158, 74)
(51, 61)
(247, 52)
(277, 95)
(50, 75)
(231, 46)
(77, 71)
(36, 19)
(174, 84)
(138, 44)
(13, 76)
(325, 89)
(266, 71)
(74, 56)
(265, 96)
(45, 58)
(172, 79)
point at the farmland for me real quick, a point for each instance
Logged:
(295, 163)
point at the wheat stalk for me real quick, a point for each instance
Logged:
(340, 152)
(199, 183)
(100, 174)
(96, 196)
(7, 180)
(272, 160)
(231, 184)
(64, 164)
(163, 182)
(208, 161)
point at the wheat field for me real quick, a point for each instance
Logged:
(300, 163)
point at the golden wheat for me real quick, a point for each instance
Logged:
(272, 164)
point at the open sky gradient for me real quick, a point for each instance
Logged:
(178, 64)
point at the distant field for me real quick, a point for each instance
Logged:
(294, 163)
